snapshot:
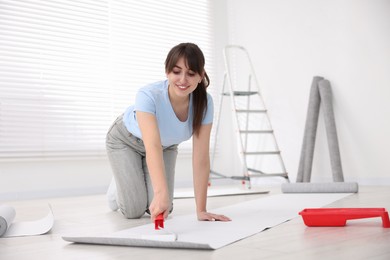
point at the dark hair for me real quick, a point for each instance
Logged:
(195, 61)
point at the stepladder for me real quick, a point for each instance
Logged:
(251, 133)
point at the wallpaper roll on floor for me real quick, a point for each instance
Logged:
(248, 218)
(335, 187)
(8, 228)
(7, 215)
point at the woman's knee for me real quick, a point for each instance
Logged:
(132, 213)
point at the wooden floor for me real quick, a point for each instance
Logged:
(360, 239)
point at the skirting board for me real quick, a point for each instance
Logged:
(248, 218)
(218, 191)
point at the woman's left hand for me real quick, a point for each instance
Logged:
(207, 216)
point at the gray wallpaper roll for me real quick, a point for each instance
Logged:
(309, 137)
(335, 187)
(320, 94)
(330, 125)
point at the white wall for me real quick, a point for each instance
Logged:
(43, 178)
(345, 41)
(67, 177)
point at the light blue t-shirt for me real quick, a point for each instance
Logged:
(154, 99)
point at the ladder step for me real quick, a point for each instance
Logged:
(282, 174)
(256, 131)
(241, 93)
(251, 110)
(256, 171)
(263, 152)
(222, 176)
(261, 172)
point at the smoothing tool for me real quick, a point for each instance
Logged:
(160, 233)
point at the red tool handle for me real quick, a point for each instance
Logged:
(339, 216)
(159, 221)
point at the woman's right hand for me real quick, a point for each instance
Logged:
(160, 204)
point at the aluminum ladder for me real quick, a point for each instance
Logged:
(258, 150)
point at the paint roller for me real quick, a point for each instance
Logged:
(320, 92)
(160, 233)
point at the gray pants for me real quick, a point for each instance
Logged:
(128, 162)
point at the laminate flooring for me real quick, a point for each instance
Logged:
(360, 239)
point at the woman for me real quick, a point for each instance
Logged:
(142, 143)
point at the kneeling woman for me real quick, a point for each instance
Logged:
(142, 143)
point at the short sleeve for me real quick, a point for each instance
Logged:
(144, 102)
(209, 115)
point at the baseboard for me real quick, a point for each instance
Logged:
(42, 194)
